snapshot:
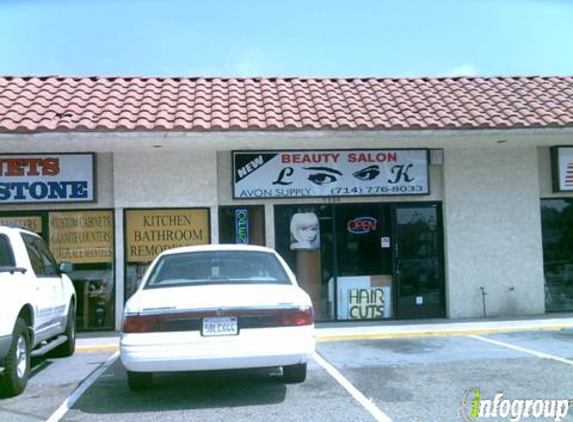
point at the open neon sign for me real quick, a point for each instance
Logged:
(362, 225)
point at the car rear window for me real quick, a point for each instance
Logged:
(217, 267)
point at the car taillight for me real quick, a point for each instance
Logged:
(140, 324)
(297, 317)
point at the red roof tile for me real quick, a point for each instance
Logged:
(48, 104)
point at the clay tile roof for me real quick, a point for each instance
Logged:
(52, 103)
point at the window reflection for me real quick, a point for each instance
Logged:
(557, 227)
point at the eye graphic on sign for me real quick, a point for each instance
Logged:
(367, 173)
(323, 175)
(362, 225)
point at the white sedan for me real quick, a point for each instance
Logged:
(217, 307)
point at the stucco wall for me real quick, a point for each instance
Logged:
(493, 232)
(161, 179)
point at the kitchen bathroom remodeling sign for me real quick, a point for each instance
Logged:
(149, 232)
(324, 173)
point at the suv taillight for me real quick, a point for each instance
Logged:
(140, 324)
(297, 317)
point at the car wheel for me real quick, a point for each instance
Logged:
(17, 363)
(294, 373)
(139, 380)
(69, 347)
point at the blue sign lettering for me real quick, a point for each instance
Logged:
(43, 190)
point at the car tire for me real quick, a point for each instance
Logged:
(294, 373)
(138, 381)
(69, 347)
(17, 363)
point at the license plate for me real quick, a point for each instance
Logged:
(220, 326)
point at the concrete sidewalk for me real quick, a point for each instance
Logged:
(337, 331)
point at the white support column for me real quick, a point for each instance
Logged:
(119, 268)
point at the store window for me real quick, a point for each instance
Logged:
(148, 232)
(338, 257)
(365, 261)
(304, 238)
(557, 228)
(86, 239)
(242, 225)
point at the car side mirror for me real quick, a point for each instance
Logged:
(66, 267)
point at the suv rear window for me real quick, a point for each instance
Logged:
(6, 255)
(43, 263)
(217, 267)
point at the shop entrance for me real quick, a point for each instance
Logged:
(365, 261)
(417, 262)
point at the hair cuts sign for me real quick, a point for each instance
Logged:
(28, 178)
(289, 174)
(562, 158)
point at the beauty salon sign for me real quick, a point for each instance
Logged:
(323, 173)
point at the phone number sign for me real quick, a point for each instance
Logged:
(324, 173)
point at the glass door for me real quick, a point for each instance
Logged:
(364, 262)
(418, 269)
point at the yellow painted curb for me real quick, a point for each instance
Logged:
(434, 333)
(98, 348)
(376, 336)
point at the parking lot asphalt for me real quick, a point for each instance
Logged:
(360, 373)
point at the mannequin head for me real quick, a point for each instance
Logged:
(304, 230)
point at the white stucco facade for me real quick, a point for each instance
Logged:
(493, 232)
(489, 193)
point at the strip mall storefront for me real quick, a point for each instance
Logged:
(371, 233)
(357, 260)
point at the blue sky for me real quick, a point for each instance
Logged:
(401, 38)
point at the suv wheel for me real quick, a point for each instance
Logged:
(17, 364)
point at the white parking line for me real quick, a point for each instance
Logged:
(78, 392)
(523, 349)
(352, 390)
